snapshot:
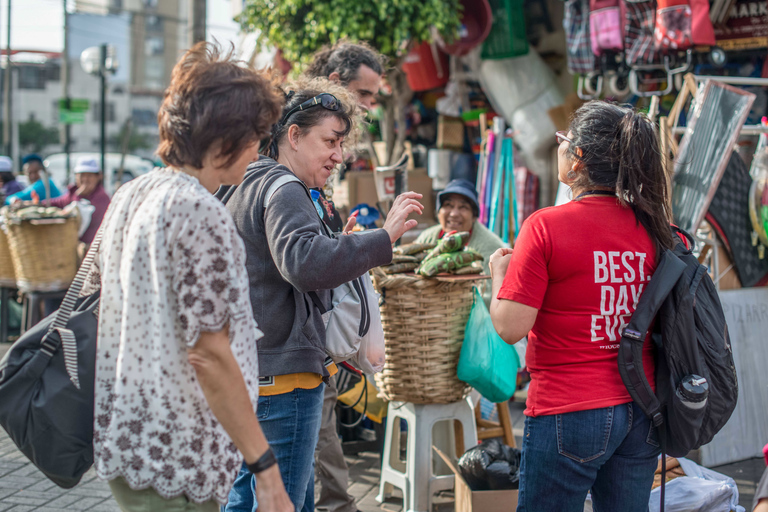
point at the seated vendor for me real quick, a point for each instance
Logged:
(35, 171)
(88, 186)
(458, 210)
(10, 184)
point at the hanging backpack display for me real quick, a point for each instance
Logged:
(639, 24)
(673, 25)
(702, 31)
(581, 59)
(605, 26)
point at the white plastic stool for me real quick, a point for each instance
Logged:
(415, 477)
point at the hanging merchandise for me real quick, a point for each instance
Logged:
(673, 25)
(508, 35)
(498, 189)
(426, 67)
(702, 31)
(605, 26)
(581, 59)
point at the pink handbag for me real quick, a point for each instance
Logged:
(605, 26)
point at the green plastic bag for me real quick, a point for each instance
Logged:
(487, 363)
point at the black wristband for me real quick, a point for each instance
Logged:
(266, 461)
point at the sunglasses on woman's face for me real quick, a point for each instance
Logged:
(326, 100)
(562, 136)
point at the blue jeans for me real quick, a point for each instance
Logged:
(611, 451)
(291, 422)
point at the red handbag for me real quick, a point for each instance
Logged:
(702, 32)
(673, 25)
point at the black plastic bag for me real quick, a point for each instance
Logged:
(491, 466)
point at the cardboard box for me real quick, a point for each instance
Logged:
(360, 188)
(468, 500)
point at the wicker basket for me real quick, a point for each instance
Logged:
(7, 273)
(424, 321)
(44, 253)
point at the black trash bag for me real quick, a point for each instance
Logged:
(491, 466)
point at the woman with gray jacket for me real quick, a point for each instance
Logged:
(288, 254)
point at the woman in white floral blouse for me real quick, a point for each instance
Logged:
(177, 370)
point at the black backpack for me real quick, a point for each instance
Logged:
(696, 386)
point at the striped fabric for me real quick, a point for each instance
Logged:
(68, 341)
(639, 25)
(581, 60)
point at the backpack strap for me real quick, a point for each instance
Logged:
(630, 357)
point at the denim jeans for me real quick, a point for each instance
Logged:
(290, 422)
(611, 452)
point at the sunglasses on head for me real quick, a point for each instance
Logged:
(326, 100)
(562, 136)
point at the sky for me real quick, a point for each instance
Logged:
(38, 24)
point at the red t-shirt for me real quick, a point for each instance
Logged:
(583, 265)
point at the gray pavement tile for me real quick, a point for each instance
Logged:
(21, 508)
(65, 500)
(108, 506)
(85, 503)
(90, 492)
(45, 486)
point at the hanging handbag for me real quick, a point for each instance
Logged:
(47, 385)
(673, 25)
(605, 26)
(581, 60)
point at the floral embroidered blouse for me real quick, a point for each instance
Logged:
(170, 265)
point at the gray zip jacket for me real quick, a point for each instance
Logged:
(288, 254)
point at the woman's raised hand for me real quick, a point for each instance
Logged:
(500, 261)
(397, 222)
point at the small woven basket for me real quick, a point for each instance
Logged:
(44, 253)
(424, 321)
(7, 273)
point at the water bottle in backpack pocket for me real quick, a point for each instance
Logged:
(689, 404)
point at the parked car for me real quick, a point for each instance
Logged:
(134, 167)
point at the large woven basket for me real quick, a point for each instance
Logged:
(44, 253)
(7, 273)
(424, 321)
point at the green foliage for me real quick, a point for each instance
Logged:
(135, 141)
(34, 137)
(301, 27)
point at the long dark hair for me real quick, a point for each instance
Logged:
(619, 148)
(304, 119)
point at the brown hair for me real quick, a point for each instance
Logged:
(304, 89)
(345, 58)
(214, 98)
(620, 149)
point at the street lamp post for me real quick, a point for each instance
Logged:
(100, 61)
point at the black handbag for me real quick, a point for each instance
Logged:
(46, 385)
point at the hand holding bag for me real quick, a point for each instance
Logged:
(47, 385)
(487, 363)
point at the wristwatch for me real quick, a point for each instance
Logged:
(266, 461)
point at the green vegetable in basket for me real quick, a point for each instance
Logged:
(399, 268)
(449, 243)
(410, 249)
(448, 262)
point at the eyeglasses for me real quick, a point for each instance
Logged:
(326, 99)
(562, 136)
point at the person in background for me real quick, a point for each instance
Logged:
(573, 281)
(35, 170)
(88, 186)
(359, 68)
(10, 183)
(177, 368)
(458, 210)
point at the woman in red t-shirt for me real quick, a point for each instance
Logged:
(571, 285)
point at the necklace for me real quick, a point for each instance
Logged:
(595, 193)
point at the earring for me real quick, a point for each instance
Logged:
(571, 175)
